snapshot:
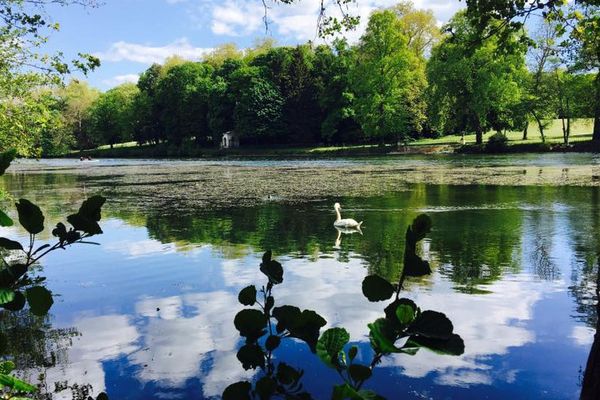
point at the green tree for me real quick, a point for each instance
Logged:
(77, 98)
(183, 94)
(332, 67)
(26, 71)
(474, 89)
(258, 111)
(388, 80)
(419, 26)
(112, 115)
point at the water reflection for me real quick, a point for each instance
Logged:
(513, 269)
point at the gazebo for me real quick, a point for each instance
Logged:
(230, 140)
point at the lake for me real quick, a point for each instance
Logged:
(148, 314)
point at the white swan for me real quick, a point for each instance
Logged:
(344, 223)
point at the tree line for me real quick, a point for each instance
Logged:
(405, 79)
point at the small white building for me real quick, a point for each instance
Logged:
(230, 140)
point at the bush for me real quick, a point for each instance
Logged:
(497, 143)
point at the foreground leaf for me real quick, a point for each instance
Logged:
(432, 324)
(5, 220)
(375, 288)
(16, 384)
(250, 323)
(238, 391)
(10, 244)
(30, 216)
(453, 346)
(330, 344)
(39, 300)
(247, 296)
(6, 295)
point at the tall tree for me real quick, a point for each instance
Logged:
(77, 98)
(473, 89)
(388, 80)
(25, 70)
(183, 94)
(419, 26)
(112, 115)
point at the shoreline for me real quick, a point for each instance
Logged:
(162, 151)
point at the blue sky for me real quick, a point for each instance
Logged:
(129, 35)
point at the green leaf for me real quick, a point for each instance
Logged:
(7, 367)
(405, 314)
(251, 356)
(330, 344)
(238, 391)
(360, 372)
(273, 270)
(382, 336)
(16, 384)
(39, 300)
(345, 391)
(5, 220)
(432, 324)
(375, 288)
(250, 323)
(247, 296)
(266, 387)
(92, 207)
(287, 375)
(81, 223)
(10, 244)
(453, 346)
(6, 295)
(414, 265)
(272, 342)
(6, 158)
(303, 325)
(352, 353)
(17, 304)
(30, 216)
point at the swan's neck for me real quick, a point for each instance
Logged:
(337, 213)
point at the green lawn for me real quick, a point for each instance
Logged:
(581, 129)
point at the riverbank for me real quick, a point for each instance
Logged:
(580, 141)
(191, 151)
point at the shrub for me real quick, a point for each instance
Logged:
(497, 143)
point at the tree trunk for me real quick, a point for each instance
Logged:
(596, 135)
(540, 126)
(525, 130)
(479, 135)
(590, 389)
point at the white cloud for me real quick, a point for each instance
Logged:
(583, 335)
(146, 54)
(120, 79)
(299, 20)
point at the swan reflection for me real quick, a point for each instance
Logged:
(345, 231)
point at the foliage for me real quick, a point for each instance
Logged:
(497, 143)
(26, 73)
(404, 322)
(19, 285)
(112, 115)
(264, 331)
(474, 89)
(388, 80)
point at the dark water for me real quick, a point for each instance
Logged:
(149, 313)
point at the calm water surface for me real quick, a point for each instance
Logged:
(149, 313)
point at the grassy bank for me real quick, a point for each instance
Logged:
(580, 141)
